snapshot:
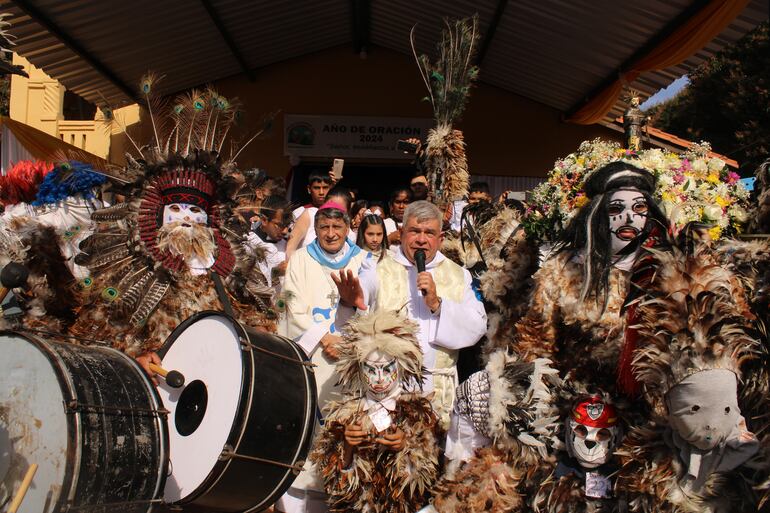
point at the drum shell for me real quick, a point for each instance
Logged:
(274, 422)
(117, 443)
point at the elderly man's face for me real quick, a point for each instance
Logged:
(425, 235)
(331, 234)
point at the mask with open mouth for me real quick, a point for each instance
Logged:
(627, 210)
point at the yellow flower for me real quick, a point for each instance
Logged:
(580, 161)
(580, 201)
(667, 196)
(713, 178)
(715, 233)
(721, 201)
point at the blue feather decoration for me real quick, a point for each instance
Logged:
(68, 179)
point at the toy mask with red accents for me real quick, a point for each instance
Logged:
(593, 432)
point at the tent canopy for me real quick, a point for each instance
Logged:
(23, 142)
(572, 56)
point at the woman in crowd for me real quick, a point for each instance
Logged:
(399, 199)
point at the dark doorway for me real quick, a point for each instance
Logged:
(374, 182)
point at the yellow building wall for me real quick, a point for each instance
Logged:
(38, 101)
(506, 134)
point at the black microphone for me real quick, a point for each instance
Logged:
(419, 260)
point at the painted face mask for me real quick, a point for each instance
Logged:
(627, 210)
(380, 372)
(184, 213)
(592, 433)
(703, 408)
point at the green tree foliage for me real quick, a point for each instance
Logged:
(727, 102)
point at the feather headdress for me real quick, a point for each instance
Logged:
(68, 179)
(448, 81)
(384, 331)
(692, 317)
(21, 183)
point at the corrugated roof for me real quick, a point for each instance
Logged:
(552, 51)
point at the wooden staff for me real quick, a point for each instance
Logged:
(16, 502)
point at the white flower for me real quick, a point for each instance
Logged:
(712, 212)
(716, 165)
(699, 166)
(738, 213)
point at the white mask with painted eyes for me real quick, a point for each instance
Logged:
(591, 446)
(184, 213)
(627, 210)
(380, 373)
(703, 408)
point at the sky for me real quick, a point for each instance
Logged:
(666, 93)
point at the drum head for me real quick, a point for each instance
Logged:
(202, 412)
(33, 424)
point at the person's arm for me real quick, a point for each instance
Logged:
(461, 324)
(297, 234)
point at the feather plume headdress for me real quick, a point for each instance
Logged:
(691, 318)
(21, 183)
(387, 332)
(132, 268)
(448, 81)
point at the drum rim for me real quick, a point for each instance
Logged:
(239, 425)
(309, 426)
(74, 422)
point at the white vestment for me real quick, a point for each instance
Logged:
(311, 306)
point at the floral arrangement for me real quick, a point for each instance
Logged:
(690, 187)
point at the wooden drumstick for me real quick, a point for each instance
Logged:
(16, 503)
(173, 378)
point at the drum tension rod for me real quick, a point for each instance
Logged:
(248, 345)
(228, 454)
(75, 406)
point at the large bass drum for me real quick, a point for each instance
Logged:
(242, 424)
(89, 418)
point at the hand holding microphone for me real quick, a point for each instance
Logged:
(419, 261)
(425, 282)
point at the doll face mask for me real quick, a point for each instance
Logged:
(184, 213)
(380, 372)
(627, 209)
(592, 433)
(703, 408)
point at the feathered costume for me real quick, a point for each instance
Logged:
(146, 280)
(448, 82)
(693, 320)
(47, 213)
(575, 328)
(379, 480)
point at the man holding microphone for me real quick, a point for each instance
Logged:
(435, 292)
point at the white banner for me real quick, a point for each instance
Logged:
(350, 136)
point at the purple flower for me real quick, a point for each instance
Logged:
(733, 177)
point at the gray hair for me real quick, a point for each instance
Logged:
(422, 211)
(331, 213)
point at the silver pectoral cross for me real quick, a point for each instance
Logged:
(333, 298)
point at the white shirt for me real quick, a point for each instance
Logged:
(275, 254)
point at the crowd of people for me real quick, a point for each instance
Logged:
(457, 366)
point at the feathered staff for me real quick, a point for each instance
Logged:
(448, 81)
